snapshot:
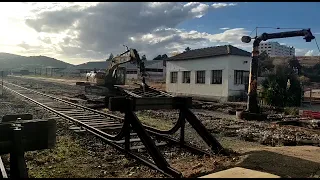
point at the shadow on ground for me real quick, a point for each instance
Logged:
(278, 164)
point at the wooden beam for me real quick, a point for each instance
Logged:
(14, 117)
(37, 134)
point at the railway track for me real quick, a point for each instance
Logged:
(136, 140)
(3, 170)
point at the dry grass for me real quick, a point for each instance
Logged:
(66, 160)
(157, 123)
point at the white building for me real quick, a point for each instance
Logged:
(220, 73)
(276, 49)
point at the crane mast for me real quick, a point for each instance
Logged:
(252, 104)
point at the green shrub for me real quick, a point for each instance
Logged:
(276, 92)
(291, 111)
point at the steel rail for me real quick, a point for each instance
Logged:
(102, 135)
(3, 170)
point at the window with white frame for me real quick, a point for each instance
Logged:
(216, 77)
(241, 77)
(174, 77)
(186, 77)
(200, 77)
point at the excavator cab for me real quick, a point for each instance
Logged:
(120, 77)
(115, 74)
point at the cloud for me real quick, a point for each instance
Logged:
(225, 28)
(306, 52)
(24, 45)
(46, 40)
(221, 5)
(94, 31)
(230, 35)
(310, 53)
(176, 40)
(51, 21)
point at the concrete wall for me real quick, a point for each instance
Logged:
(157, 75)
(237, 63)
(215, 91)
(207, 89)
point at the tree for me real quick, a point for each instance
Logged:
(265, 63)
(187, 49)
(144, 57)
(305, 81)
(282, 88)
(295, 65)
(175, 53)
(158, 57)
(110, 57)
(161, 57)
(164, 56)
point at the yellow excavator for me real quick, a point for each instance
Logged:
(109, 82)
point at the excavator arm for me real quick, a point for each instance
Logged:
(133, 57)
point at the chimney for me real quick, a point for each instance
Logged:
(228, 49)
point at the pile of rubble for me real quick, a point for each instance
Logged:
(272, 132)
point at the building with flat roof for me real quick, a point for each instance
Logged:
(275, 49)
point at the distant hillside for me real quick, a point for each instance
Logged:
(308, 61)
(17, 62)
(305, 61)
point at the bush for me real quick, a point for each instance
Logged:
(277, 92)
(291, 111)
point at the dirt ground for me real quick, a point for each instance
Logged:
(68, 81)
(284, 161)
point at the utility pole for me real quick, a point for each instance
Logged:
(2, 83)
(252, 104)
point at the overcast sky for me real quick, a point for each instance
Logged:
(82, 32)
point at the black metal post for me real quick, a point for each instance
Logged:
(127, 132)
(252, 105)
(2, 83)
(18, 168)
(182, 126)
(148, 142)
(210, 140)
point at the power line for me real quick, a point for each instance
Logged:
(252, 31)
(317, 44)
